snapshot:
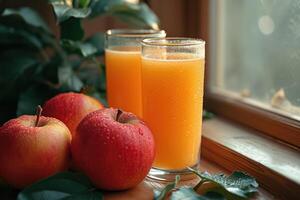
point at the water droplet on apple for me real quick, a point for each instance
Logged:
(141, 132)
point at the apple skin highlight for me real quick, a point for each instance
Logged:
(115, 154)
(29, 153)
(70, 108)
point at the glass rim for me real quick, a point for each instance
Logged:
(172, 41)
(134, 33)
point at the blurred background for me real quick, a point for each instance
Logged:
(252, 51)
(178, 17)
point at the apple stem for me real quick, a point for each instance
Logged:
(119, 112)
(39, 110)
(84, 90)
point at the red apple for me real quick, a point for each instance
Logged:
(70, 108)
(33, 148)
(114, 149)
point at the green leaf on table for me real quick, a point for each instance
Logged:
(71, 29)
(238, 185)
(163, 194)
(187, 193)
(135, 14)
(62, 186)
(64, 11)
(82, 48)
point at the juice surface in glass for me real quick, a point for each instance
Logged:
(172, 90)
(123, 78)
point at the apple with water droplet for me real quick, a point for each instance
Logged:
(115, 149)
(70, 108)
(33, 148)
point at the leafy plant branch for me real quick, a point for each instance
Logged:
(36, 66)
(236, 186)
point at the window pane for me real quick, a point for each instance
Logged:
(255, 52)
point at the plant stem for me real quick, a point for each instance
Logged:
(39, 110)
(83, 90)
(199, 184)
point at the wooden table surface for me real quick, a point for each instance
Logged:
(144, 191)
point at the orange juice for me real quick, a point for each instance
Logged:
(172, 107)
(123, 78)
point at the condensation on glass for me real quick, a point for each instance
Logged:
(255, 52)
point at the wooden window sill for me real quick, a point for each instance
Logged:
(275, 165)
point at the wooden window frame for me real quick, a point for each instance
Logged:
(272, 124)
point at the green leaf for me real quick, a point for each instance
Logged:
(68, 80)
(23, 38)
(71, 29)
(12, 71)
(214, 196)
(63, 11)
(31, 98)
(189, 194)
(90, 195)
(24, 27)
(81, 3)
(185, 193)
(11, 68)
(81, 48)
(135, 14)
(163, 194)
(97, 41)
(62, 186)
(10, 37)
(70, 19)
(92, 74)
(236, 186)
(29, 16)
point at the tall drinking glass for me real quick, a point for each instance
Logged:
(172, 94)
(123, 67)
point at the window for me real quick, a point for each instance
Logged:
(254, 64)
(256, 52)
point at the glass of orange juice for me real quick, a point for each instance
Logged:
(123, 67)
(172, 98)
